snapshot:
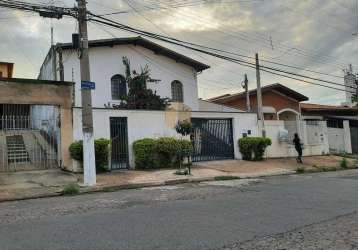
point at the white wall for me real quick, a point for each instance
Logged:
(106, 62)
(141, 124)
(286, 149)
(340, 139)
(210, 106)
(47, 69)
(152, 124)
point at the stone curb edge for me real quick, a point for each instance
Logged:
(98, 189)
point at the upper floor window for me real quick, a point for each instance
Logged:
(118, 87)
(177, 91)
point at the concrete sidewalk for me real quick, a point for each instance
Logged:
(35, 184)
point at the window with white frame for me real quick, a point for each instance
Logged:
(177, 91)
(118, 87)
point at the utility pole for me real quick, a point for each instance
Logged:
(246, 87)
(89, 167)
(259, 97)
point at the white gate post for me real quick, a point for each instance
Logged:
(347, 137)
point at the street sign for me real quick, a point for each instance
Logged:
(88, 85)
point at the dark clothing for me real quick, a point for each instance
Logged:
(297, 142)
(298, 147)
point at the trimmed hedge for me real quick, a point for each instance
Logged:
(164, 152)
(253, 148)
(144, 150)
(101, 147)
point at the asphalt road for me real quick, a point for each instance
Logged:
(269, 213)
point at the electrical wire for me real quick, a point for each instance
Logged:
(180, 43)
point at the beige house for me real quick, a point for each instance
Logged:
(35, 124)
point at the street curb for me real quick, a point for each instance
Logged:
(113, 188)
(48, 195)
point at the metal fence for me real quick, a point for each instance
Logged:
(29, 141)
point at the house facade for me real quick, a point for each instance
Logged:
(217, 128)
(279, 102)
(35, 124)
(282, 119)
(342, 124)
(108, 71)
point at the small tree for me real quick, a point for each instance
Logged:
(139, 97)
(184, 128)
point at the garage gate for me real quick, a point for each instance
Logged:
(212, 139)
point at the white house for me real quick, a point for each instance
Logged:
(217, 127)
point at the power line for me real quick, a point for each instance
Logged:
(180, 43)
(246, 38)
(240, 55)
(243, 36)
(148, 59)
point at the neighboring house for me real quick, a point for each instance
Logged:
(6, 69)
(342, 123)
(282, 119)
(217, 128)
(279, 102)
(35, 124)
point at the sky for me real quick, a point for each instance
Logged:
(314, 35)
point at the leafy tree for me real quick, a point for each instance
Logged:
(139, 97)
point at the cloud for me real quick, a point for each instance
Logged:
(312, 34)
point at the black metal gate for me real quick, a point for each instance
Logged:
(354, 137)
(212, 139)
(119, 138)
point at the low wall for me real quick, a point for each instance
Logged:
(286, 149)
(155, 124)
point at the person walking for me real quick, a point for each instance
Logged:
(298, 147)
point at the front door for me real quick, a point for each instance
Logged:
(119, 139)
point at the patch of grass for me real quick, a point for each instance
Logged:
(344, 163)
(71, 189)
(226, 178)
(300, 170)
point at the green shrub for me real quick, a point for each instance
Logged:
(166, 149)
(184, 128)
(343, 163)
(76, 151)
(101, 153)
(71, 189)
(144, 151)
(101, 147)
(160, 153)
(253, 148)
